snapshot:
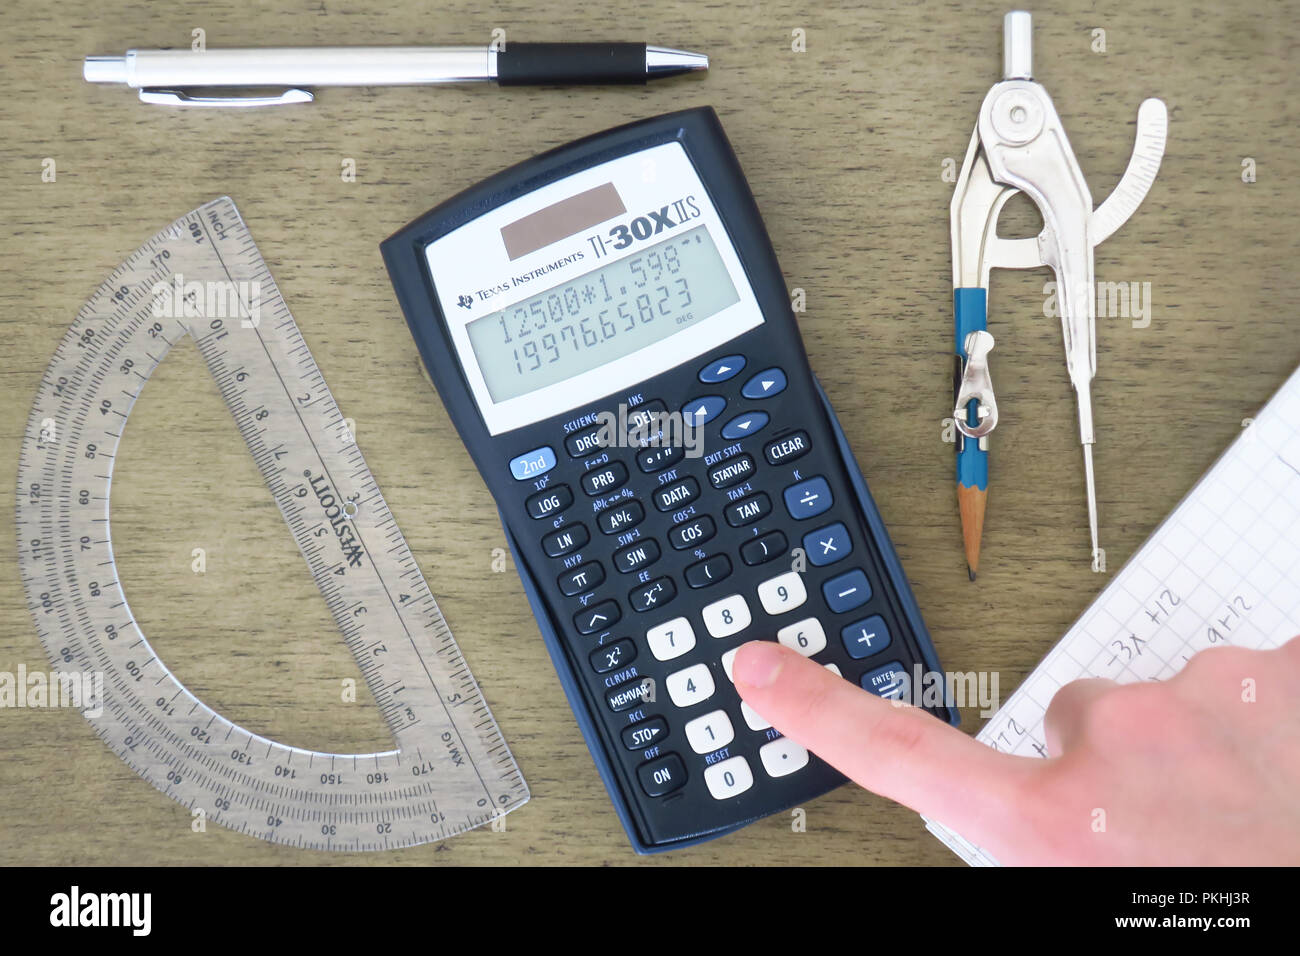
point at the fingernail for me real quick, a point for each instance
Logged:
(758, 664)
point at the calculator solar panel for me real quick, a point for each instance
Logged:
(608, 328)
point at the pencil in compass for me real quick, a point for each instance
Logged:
(970, 312)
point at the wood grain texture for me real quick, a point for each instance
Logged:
(844, 148)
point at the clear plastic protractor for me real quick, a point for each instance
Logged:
(449, 770)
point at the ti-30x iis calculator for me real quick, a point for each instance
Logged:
(610, 332)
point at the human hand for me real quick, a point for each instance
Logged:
(1201, 769)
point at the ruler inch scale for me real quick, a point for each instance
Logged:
(450, 770)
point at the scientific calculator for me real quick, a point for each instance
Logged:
(609, 330)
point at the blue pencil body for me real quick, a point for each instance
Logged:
(970, 309)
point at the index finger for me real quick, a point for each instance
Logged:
(899, 752)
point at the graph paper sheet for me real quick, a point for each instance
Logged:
(1224, 568)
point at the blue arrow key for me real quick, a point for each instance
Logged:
(744, 425)
(700, 410)
(765, 384)
(722, 369)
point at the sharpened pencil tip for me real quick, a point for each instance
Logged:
(970, 572)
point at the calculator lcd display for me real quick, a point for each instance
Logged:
(603, 315)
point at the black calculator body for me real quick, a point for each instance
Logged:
(609, 330)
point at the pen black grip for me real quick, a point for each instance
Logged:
(567, 64)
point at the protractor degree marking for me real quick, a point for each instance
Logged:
(175, 747)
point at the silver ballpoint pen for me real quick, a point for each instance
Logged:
(175, 77)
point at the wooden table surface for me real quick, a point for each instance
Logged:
(845, 148)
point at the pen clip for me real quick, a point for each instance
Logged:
(182, 98)
(977, 386)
